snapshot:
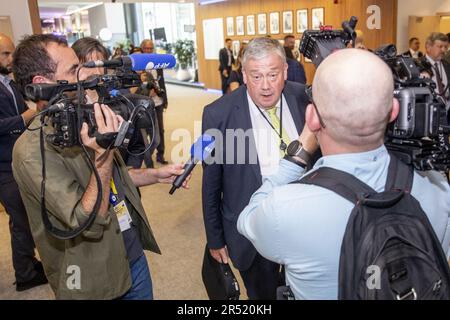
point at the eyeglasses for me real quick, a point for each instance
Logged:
(308, 91)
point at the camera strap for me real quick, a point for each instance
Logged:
(58, 233)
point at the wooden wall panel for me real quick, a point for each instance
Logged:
(34, 16)
(336, 11)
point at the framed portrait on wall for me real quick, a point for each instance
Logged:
(240, 25)
(262, 23)
(302, 20)
(288, 22)
(274, 22)
(318, 18)
(251, 25)
(230, 26)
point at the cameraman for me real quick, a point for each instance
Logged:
(107, 260)
(302, 226)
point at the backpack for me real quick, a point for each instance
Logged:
(389, 250)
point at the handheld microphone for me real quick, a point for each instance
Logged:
(200, 150)
(136, 61)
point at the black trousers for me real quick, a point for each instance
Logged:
(262, 279)
(160, 147)
(225, 81)
(22, 243)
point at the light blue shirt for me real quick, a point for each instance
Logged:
(302, 226)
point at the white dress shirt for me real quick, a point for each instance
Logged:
(267, 141)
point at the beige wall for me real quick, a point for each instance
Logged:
(19, 15)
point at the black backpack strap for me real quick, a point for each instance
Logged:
(400, 175)
(340, 182)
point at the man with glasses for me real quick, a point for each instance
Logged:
(265, 115)
(302, 226)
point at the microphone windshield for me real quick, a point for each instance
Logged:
(150, 61)
(202, 148)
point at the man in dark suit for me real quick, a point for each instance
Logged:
(252, 126)
(226, 60)
(159, 95)
(13, 116)
(436, 47)
(414, 46)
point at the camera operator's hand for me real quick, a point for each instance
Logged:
(166, 174)
(107, 121)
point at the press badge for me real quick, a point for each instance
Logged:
(123, 216)
(120, 208)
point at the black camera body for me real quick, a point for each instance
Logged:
(67, 117)
(67, 114)
(419, 136)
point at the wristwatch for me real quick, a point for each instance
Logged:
(296, 150)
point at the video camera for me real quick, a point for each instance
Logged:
(419, 136)
(68, 113)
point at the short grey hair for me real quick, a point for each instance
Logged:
(435, 36)
(260, 48)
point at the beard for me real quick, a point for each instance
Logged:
(4, 70)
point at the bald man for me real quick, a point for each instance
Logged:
(302, 226)
(13, 116)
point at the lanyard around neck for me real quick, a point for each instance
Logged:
(283, 145)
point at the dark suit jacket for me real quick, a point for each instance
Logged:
(11, 124)
(296, 72)
(408, 54)
(227, 188)
(445, 63)
(223, 59)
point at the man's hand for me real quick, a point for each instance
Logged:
(168, 174)
(308, 140)
(220, 255)
(27, 115)
(107, 121)
(225, 73)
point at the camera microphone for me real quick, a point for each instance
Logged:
(136, 62)
(200, 150)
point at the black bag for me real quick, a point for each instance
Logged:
(389, 250)
(219, 280)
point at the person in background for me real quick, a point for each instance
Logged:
(413, 51)
(436, 47)
(226, 60)
(90, 49)
(236, 78)
(158, 93)
(289, 45)
(447, 54)
(296, 72)
(14, 114)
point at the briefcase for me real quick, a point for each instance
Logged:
(219, 280)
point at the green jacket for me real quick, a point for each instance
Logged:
(97, 258)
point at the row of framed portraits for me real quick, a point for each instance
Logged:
(260, 26)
